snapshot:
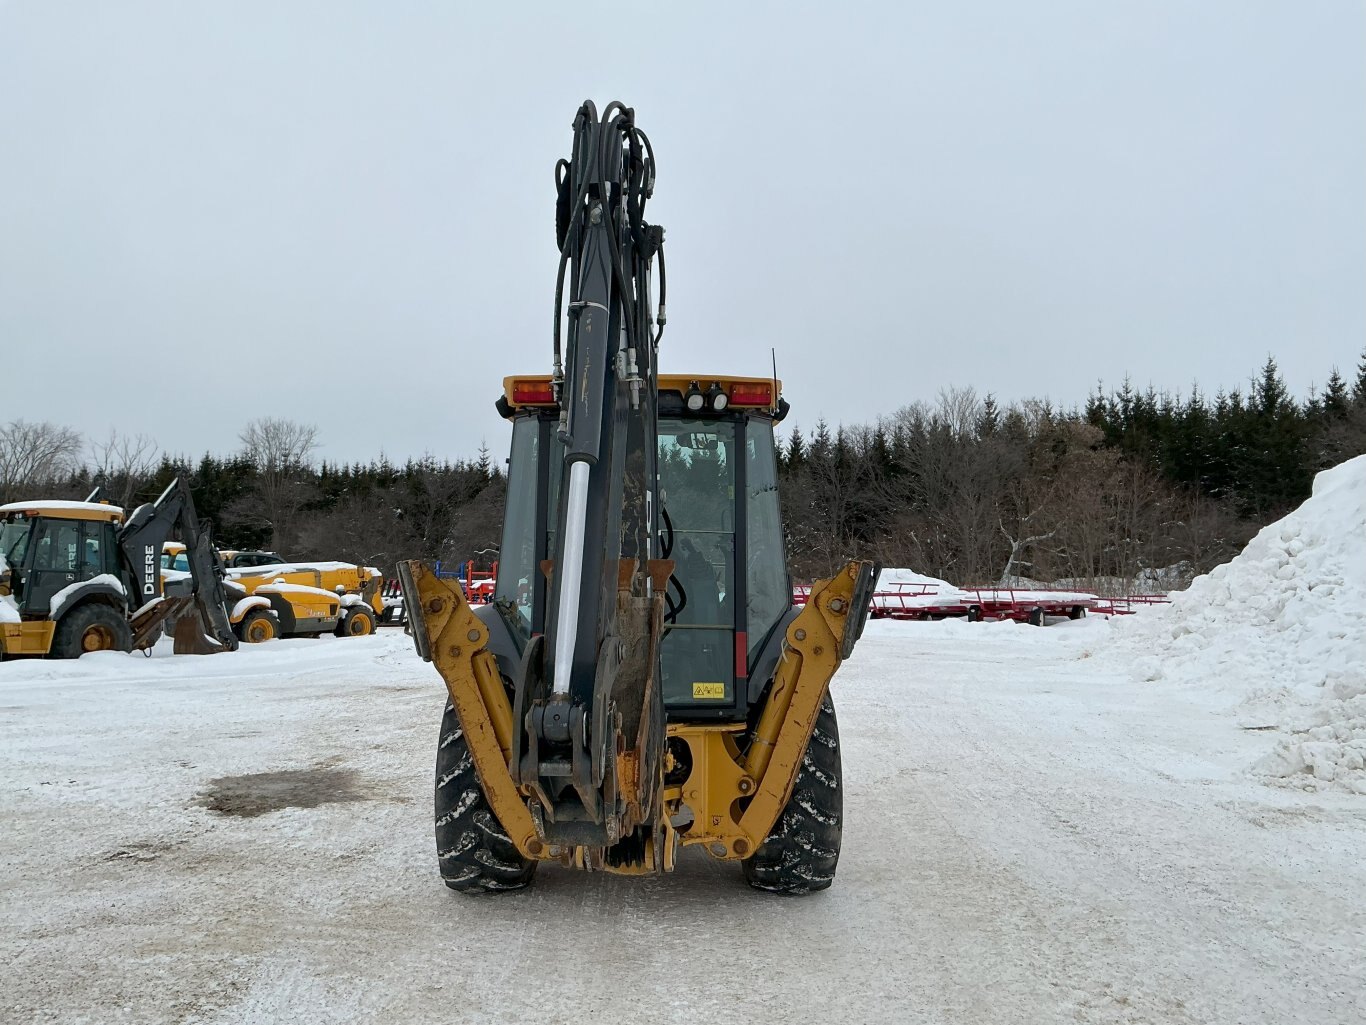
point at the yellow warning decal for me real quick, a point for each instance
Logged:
(708, 690)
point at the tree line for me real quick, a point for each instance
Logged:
(1134, 489)
(274, 494)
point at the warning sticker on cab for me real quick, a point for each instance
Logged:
(708, 690)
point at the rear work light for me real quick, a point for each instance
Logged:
(532, 393)
(751, 394)
(694, 400)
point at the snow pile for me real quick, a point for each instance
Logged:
(1282, 629)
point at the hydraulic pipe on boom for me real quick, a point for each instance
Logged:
(590, 716)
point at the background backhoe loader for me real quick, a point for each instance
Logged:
(77, 577)
(641, 680)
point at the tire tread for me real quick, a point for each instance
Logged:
(474, 852)
(802, 850)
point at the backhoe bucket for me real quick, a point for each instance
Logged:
(190, 638)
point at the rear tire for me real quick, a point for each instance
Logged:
(91, 627)
(473, 850)
(357, 621)
(803, 848)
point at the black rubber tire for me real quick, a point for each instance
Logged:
(1036, 616)
(67, 639)
(244, 631)
(350, 623)
(974, 613)
(803, 848)
(1077, 612)
(473, 851)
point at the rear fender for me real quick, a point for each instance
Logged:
(501, 641)
(767, 660)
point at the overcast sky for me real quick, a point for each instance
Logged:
(342, 213)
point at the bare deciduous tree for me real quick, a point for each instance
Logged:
(35, 454)
(275, 444)
(282, 451)
(123, 464)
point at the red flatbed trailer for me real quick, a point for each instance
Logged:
(1128, 604)
(1029, 605)
(927, 601)
(917, 601)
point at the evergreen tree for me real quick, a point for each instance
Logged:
(794, 454)
(990, 418)
(1336, 399)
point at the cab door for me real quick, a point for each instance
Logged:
(55, 560)
(697, 481)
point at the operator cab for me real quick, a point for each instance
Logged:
(719, 521)
(48, 546)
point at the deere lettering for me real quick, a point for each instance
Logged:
(149, 571)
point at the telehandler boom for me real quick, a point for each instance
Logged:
(641, 680)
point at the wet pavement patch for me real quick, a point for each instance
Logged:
(261, 792)
(140, 852)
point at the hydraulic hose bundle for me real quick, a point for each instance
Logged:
(589, 713)
(607, 375)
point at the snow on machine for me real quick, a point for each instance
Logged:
(274, 598)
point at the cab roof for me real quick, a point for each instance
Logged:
(752, 393)
(64, 510)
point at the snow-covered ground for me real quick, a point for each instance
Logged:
(1029, 837)
(1146, 820)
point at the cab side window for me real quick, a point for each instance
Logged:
(58, 546)
(93, 549)
(90, 556)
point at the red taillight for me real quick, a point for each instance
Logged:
(532, 393)
(751, 394)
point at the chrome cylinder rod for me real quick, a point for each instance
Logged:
(570, 575)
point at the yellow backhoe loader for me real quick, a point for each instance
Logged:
(77, 577)
(642, 680)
